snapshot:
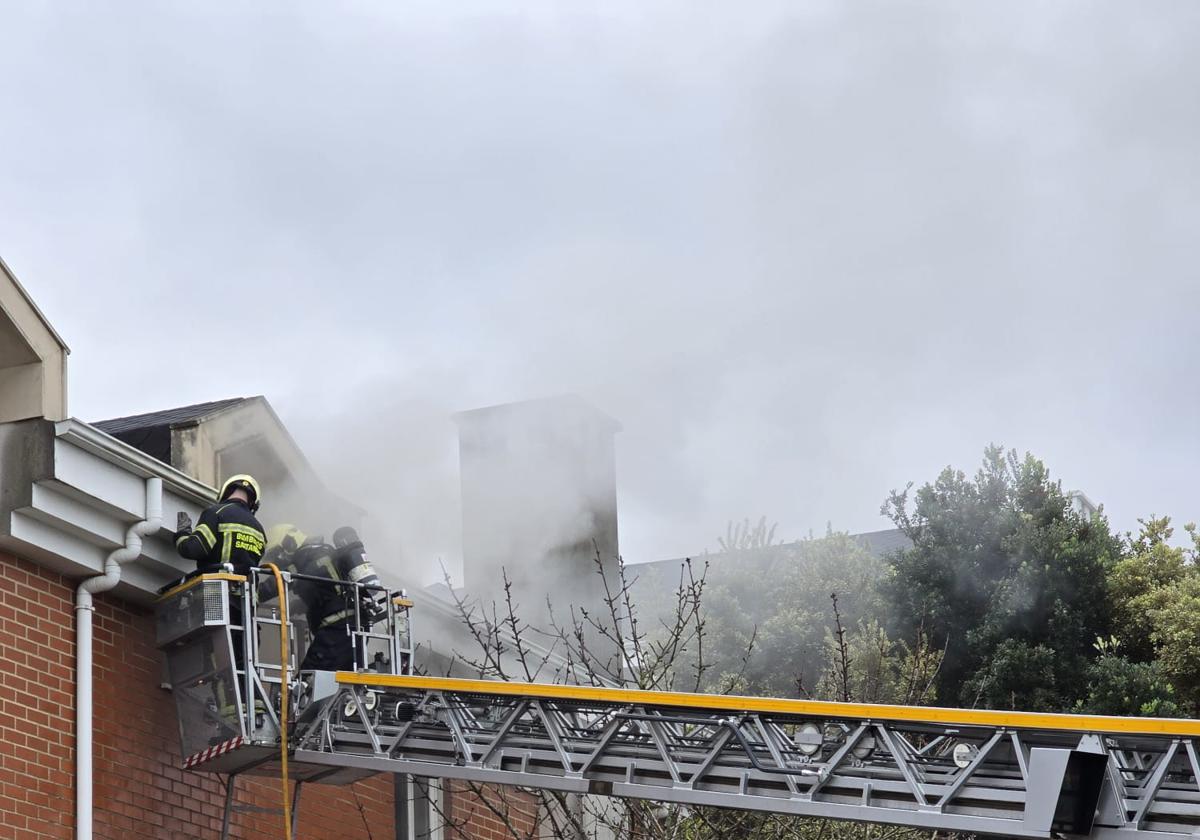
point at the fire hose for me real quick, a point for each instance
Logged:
(283, 699)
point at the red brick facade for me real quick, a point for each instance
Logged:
(140, 792)
(508, 816)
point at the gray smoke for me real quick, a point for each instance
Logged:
(803, 256)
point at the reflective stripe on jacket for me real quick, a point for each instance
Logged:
(226, 533)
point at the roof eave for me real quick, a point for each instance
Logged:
(124, 455)
(41, 316)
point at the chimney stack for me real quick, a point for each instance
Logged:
(539, 500)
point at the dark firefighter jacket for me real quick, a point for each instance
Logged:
(226, 533)
(326, 603)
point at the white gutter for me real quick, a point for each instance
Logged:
(83, 650)
(130, 458)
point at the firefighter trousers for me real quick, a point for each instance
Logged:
(331, 649)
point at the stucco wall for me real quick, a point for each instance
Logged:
(33, 359)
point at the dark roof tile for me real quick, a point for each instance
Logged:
(167, 417)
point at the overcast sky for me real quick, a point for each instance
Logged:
(804, 252)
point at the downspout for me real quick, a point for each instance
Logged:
(83, 650)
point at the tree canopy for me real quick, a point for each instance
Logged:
(1008, 596)
(1008, 576)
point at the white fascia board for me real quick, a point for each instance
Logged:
(73, 518)
(102, 472)
(132, 460)
(68, 513)
(77, 559)
(75, 555)
(101, 483)
(54, 547)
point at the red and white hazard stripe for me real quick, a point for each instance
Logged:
(212, 752)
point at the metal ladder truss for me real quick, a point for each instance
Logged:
(996, 773)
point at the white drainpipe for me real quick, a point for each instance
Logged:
(83, 651)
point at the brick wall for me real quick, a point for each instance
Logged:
(494, 813)
(36, 703)
(140, 792)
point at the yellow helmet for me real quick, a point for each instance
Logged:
(243, 482)
(286, 537)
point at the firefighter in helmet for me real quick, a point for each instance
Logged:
(332, 606)
(226, 535)
(227, 531)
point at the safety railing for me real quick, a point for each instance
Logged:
(227, 681)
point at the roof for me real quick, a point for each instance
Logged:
(33, 357)
(877, 543)
(71, 497)
(45, 322)
(883, 543)
(167, 417)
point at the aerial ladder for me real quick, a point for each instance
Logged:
(1008, 774)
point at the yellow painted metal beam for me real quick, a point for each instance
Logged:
(171, 593)
(816, 709)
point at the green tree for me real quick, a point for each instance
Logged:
(865, 665)
(1176, 629)
(743, 537)
(1142, 584)
(775, 600)
(1155, 595)
(1018, 675)
(1119, 686)
(1007, 576)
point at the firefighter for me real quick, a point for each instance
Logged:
(227, 534)
(332, 607)
(227, 531)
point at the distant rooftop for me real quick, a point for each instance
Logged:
(878, 543)
(882, 543)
